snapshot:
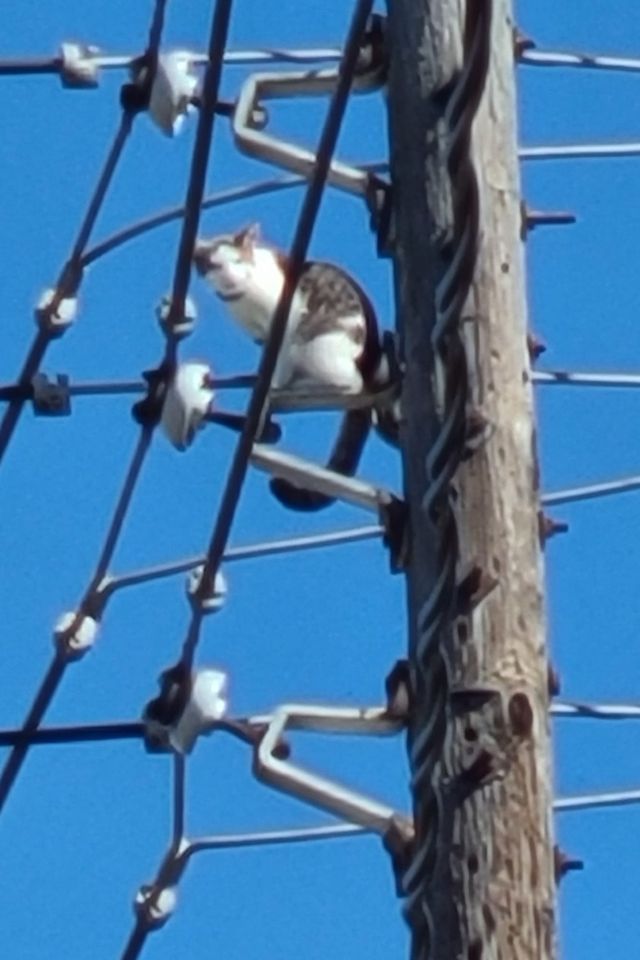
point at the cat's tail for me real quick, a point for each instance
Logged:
(344, 459)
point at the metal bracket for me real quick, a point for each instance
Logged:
(304, 473)
(148, 411)
(320, 791)
(370, 76)
(394, 517)
(380, 204)
(51, 398)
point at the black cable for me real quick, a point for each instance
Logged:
(195, 189)
(296, 260)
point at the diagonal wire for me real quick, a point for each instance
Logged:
(156, 28)
(297, 256)
(195, 190)
(68, 280)
(136, 941)
(124, 502)
(70, 277)
(71, 274)
(179, 791)
(255, 409)
(42, 700)
(61, 660)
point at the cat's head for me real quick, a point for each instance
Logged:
(227, 261)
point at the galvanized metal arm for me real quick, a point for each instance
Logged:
(370, 76)
(341, 801)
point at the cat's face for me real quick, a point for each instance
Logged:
(227, 262)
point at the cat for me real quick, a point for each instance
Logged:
(331, 343)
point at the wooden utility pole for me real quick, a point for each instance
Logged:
(489, 889)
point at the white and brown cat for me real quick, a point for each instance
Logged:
(331, 342)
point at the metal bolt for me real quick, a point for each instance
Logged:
(554, 684)
(542, 218)
(548, 527)
(563, 863)
(398, 688)
(535, 346)
(521, 42)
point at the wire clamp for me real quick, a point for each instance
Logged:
(373, 60)
(398, 689)
(154, 907)
(177, 327)
(78, 66)
(188, 704)
(379, 200)
(148, 411)
(51, 398)
(394, 518)
(75, 633)
(213, 600)
(54, 313)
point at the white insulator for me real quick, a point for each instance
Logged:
(173, 88)
(189, 397)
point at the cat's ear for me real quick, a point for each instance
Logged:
(248, 237)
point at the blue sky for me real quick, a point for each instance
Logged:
(85, 826)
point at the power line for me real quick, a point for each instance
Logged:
(75, 633)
